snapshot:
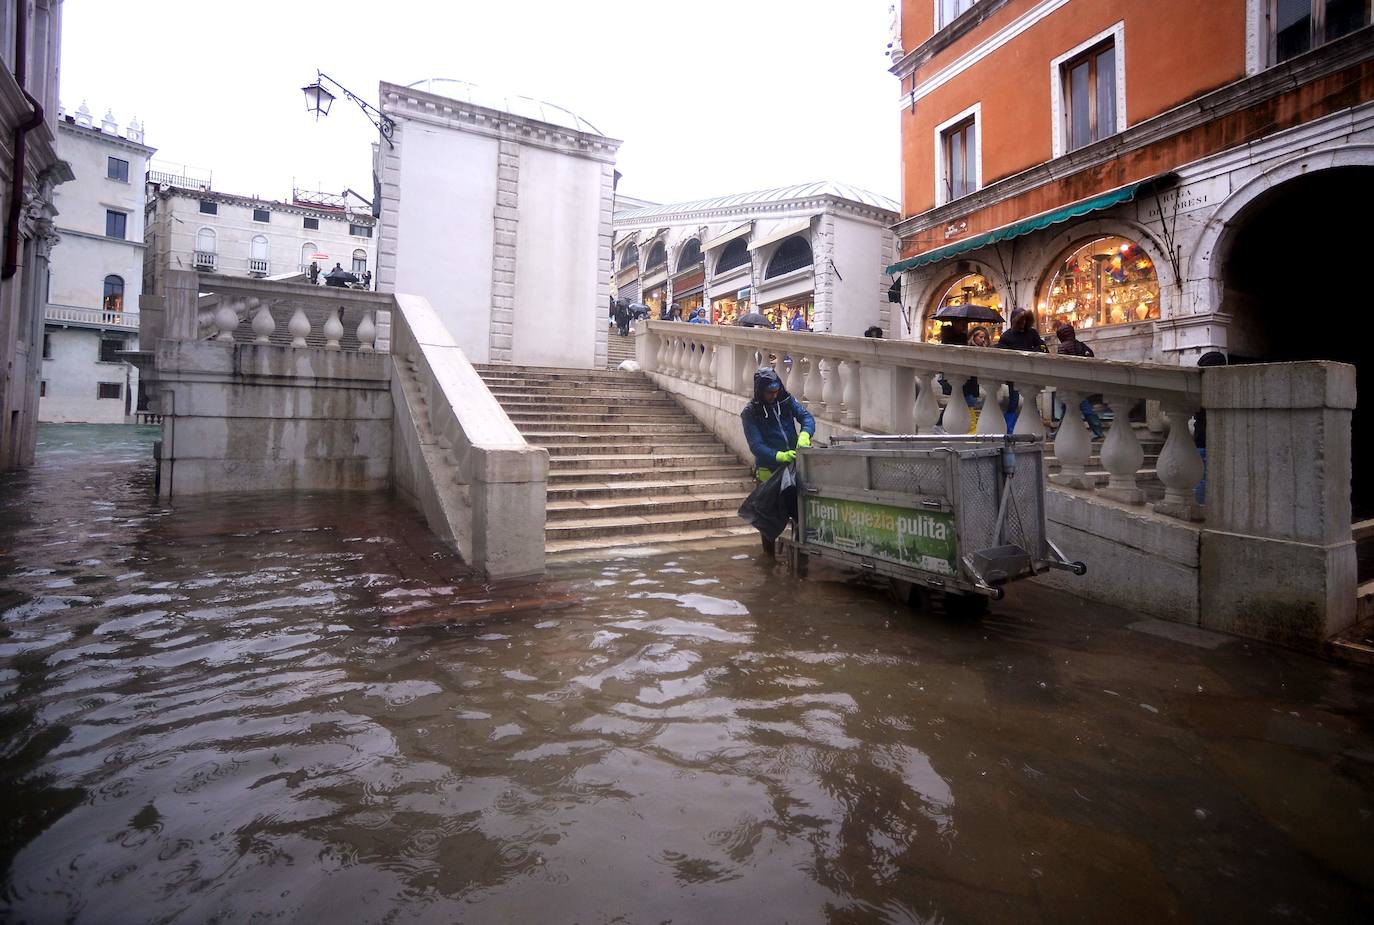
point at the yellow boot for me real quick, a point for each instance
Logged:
(973, 420)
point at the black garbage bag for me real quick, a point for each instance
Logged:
(773, 503)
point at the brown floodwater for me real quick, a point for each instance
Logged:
(304, 708)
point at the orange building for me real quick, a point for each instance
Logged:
(1170, 177)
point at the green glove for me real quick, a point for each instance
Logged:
(786, 456)
(803, 439)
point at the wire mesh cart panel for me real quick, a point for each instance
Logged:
(959, 514)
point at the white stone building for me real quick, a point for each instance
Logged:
(96, 275)
(498, 211)
(815, 250)
(30, 170)
(193, 227)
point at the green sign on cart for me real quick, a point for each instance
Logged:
(916, 539)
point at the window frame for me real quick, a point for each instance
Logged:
(123, 223)
(266, 214)
(1316, 29)
(732, 248)
(306, 223)
(359, 231)
(110, 174)
(357, 269)
(47, 345)
(1059, 75)
(961, 7)
(120, 344)
(106, 294)
(118, 388)
(686, 251)
(789, 247)
(943, 190)
(213, 207)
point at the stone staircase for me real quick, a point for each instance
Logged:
(630, 471)
(619, 348)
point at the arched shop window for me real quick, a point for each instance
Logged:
(792, 254)
(658, 256)
(629, 257)
(1102, 282)
(690, 255)
(736, 254)
(970, 289)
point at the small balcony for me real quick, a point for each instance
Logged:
(255, 267)
(205, 260)
(92, 317)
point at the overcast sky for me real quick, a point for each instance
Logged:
(710, 96)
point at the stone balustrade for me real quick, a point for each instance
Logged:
(1269, 554)
(288, 313)
(884, 386)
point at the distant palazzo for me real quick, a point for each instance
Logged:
(814, 251)
(1164, 176)
(498, 211)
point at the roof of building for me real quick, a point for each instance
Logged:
(766, 197)
(524, 106)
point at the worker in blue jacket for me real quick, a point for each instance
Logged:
(771, 421)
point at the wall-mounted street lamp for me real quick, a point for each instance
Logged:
(318, 99)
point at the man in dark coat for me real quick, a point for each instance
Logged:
(1022, 335)
(1070, 345)
(622, 317)
(771, 423)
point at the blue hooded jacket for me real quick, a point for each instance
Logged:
(772, 426)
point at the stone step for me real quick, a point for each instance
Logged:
(667, 485)
(742, 536)
(670, 435)
(541, 418)
(720, 457)
(616, 472)
(649, 430)
(637, 383)
(515, 390)
(499, 370)
(1356, 642)
(643, 505)
(591, 405)
(639, 525)
(630, 448)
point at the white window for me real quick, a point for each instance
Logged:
(205, 240)
(257, 255)
(958, 156)
(1088, 91)
(308, 250)
(360, 261)
(946, 11)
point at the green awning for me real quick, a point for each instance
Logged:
(1026, 226)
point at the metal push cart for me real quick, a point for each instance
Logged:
(962, 515)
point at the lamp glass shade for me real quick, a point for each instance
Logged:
(317, 99)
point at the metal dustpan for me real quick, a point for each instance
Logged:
(997, 564)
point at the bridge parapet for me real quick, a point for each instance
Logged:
(1273, 557)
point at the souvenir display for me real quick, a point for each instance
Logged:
(1106, 281)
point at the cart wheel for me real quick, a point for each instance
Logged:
(1080, 568)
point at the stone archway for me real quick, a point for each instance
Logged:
(1287, 265)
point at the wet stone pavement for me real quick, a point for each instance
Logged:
(253, 708)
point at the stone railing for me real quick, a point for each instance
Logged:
(92, 316)
(238, 309)
(885, 386)
(1269, 554)
(458, 456)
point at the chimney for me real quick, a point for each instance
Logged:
(83, 115)
(135, 132)
(108, 124)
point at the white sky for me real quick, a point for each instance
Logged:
(710, 96)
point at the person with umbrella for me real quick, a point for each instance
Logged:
(955, 331)
(339, 278)
(754, 320)
(622, 317)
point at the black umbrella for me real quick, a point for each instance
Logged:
(339, 277)
(968, 312)
(639, 310)
(754, 320)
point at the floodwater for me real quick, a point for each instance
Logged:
(253, 708)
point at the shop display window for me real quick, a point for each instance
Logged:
(1103, 282)
(688, 304)
(782, 313)
(654, 299)
(972, 289)
(727, 309)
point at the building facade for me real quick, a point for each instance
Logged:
(1163, 176)
(814, 252)
(497, 209)
(193, 227)
(30, 171)
(96, 275)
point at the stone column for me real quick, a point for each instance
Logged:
(180, 321)
(1278, 561)
(506, 218)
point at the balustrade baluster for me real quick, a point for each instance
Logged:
(299, 326)
(707, 371)
(1029, 420)
(1073, 448)
(367, 334)
(927, 410)
(263, 324)
(851, 392)
(226, 320)
(991, 420)
(1179, 467)
(333, 330)
(832, 390)
(811, 385)
(1121, 453)
(748, 366)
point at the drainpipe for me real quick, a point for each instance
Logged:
(21, 131)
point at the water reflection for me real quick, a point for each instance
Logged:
(306, 707)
